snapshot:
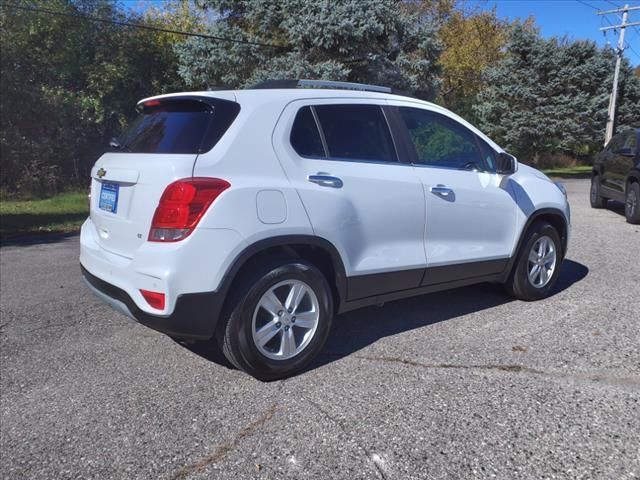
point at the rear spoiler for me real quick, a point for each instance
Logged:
(205, 97)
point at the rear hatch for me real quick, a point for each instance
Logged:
(161, 146)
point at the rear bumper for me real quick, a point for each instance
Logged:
(195, 315)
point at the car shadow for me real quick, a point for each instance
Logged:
(358, 329)
(35, 238)
(617, 207)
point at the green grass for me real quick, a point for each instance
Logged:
(62, 213)
(579, 171)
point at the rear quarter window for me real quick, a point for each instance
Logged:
(305, 136)
(179, 126)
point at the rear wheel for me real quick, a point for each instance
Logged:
(280, 320)
(538, 264)
(631, 204)
(597, 200)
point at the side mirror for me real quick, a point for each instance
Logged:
(506, 164)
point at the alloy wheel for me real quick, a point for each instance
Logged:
(542, 262)
(285, 320)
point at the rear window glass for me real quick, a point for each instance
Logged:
(178, 126)
(356, 132)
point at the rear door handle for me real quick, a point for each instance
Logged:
(441, 190)
(325, 180)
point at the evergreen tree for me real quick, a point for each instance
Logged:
(384, 42)
(551, 96)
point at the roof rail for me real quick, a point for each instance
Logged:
(289, 83)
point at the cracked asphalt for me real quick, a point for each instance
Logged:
(459, 384)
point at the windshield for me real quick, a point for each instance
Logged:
(178, 126)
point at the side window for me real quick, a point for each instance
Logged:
(441, 142)
(616, 143)
(488, 155)
(356, 132)
(632, 140)
(305, 137)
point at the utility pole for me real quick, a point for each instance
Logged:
(619, 51)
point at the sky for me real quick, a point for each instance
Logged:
(578, 19)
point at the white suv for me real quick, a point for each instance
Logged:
(255, 216)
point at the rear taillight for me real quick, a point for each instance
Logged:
(181, 207)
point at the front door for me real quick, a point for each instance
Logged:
(470, 214)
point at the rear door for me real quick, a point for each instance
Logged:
(623, 161)
(160, 147)
(470, 213)
(355, 191)
(611, 164)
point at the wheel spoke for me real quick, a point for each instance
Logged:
(533, 256)
(534, 273)
(271, 303)
(266, 333)
(288, 343)
(306, 319)
(296, 294)
(544, 246)
(543, 276)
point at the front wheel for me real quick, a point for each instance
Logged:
(280, 321)
(597, 200)
(538, 264)
(632, 204)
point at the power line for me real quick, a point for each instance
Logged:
(633, 50)
(586, 4)
(611, 3)
(143, 27)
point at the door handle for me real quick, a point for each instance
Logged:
(441, 190)
(325, 180)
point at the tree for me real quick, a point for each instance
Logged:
(472, 41)
(68, 85)
(551, 96)
(375, 41)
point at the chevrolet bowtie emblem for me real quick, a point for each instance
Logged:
(101, 173)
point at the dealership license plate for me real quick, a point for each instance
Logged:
(109, 197)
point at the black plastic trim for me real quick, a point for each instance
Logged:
(362, 286)
(194, 316)
(414, 292)
(462, 271)
(388, 283)
(404, 144)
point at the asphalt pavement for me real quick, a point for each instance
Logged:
(454, 385)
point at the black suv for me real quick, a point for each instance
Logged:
(616, 174)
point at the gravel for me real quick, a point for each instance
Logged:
(461, 384)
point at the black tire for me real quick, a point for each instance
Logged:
(632, 203)
(519, 285)
(596, 198)
(237, 341)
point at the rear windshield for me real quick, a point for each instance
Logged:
(178, 126)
